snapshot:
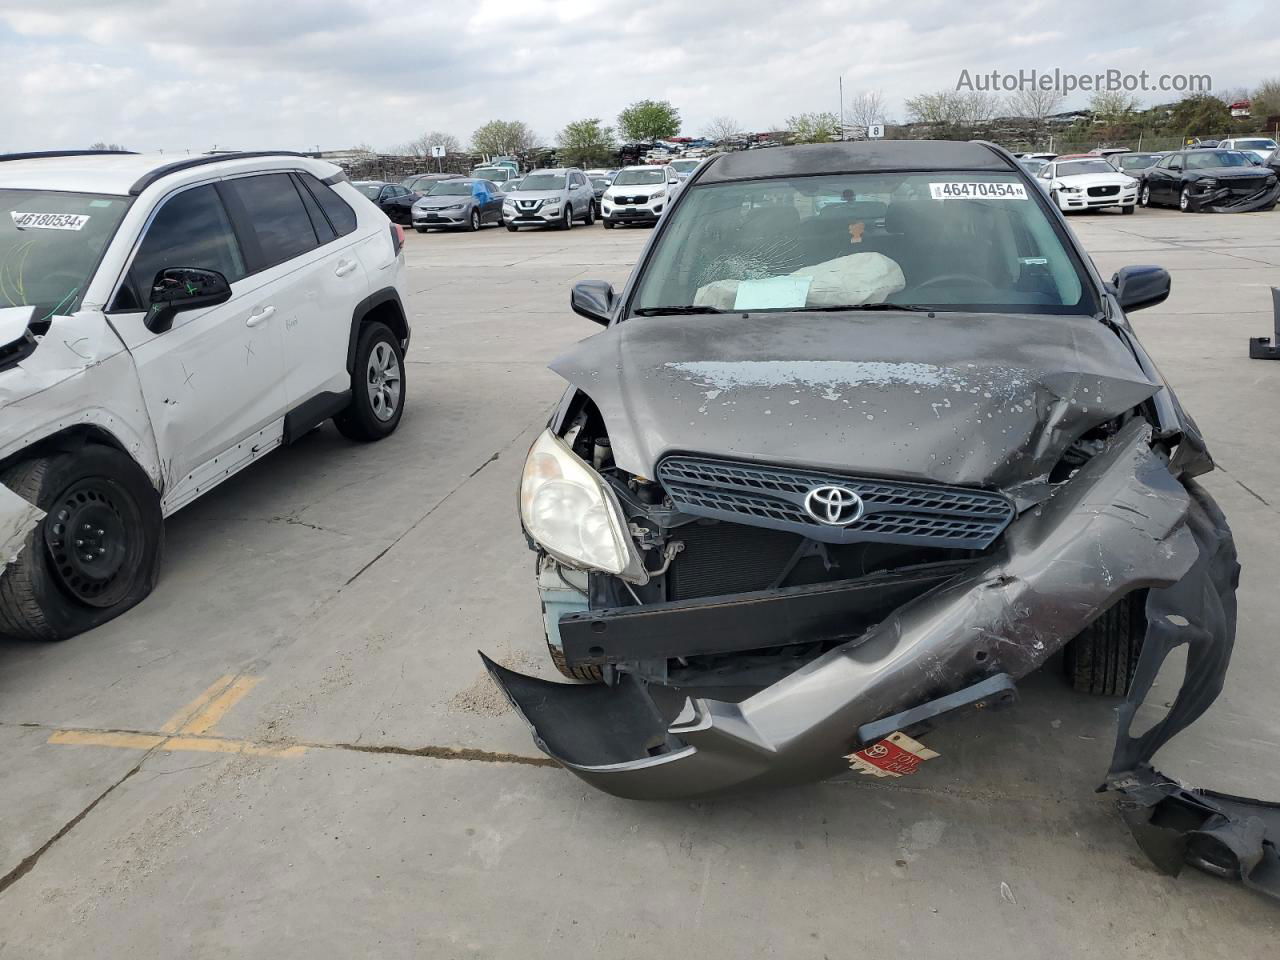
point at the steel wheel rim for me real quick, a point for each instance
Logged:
(475, 220)
(1184, 201)
(90, 535)
(383, 381)
(1146, 195)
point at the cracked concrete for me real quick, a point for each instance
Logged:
(358, 581)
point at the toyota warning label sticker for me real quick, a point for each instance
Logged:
(897, 755)
(48, 221)
(977, 191)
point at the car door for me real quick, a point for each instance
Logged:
(488, 201)
(316, 273)
(213, 383)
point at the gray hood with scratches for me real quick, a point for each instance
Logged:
(911, 399)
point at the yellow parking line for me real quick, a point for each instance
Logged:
(95, 738)
(207, 717)
(218, 745)
(174, 723)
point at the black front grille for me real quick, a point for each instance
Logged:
(1103, 191)
(1244, 186)
(892, 511)
(632, 201)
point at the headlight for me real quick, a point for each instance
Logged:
(569, 511)
(1131, 185)
(659, 195)
(1066, 189)
(1208, 183)
(453, 206)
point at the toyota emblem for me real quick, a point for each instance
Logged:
(834, 506)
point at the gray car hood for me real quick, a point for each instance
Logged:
(537, 194)
(975, 399)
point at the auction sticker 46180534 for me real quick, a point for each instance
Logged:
(978, 190)
(48, 221)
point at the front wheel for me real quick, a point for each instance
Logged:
(474, 224)
(1102, 659)
(608, 224)
(1128, 209)
(566, 223)
(377, 386)
(1145, 198)
(1185, 203)
(95, 554)
(423, 229)
(512, 227)
(590, 218)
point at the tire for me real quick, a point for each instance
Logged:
(1144, 197)
(423, 229)
(567, 222)
(1129, 209)
(589, 674)
(512, 227)
(49, 593)
(473, 224)
(590, 218)
(377, 386)
(1102, 659)
(608, 224)
(1185, 203)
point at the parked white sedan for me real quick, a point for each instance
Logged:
(1261, 147)
(1088, 183)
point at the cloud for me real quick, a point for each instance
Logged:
(189, 74)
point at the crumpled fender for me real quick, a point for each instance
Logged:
(17, 519)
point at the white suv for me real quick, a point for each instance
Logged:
(639, 194)
(163, 324)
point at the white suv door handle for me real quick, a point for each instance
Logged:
(266, 313)
(345, 267)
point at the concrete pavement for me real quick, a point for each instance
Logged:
(291, 748)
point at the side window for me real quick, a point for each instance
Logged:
(322, 226)
(191, 229)
(341, 216)
(279, 220)
(1175, 162)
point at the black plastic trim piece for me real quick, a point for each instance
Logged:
(362, 310)
(995, 691)
(47, 154)
(311, 413)
(188, 163)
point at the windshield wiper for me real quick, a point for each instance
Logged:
(865, 306)
(674, 311)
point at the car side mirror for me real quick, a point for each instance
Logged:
(183, 288)
(593, 299)
(1138, 287)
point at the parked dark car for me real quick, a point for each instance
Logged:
(1272, 163)
(821, 481)
(598, 186)
(1217, 181)
(466, 202)
(421, 183)
(392, 199)
(1135, 163)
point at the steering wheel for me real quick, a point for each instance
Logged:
(962, 278)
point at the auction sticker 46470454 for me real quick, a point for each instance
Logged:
(977, 190)
(48, 221)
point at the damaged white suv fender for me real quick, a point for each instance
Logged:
(163, 324)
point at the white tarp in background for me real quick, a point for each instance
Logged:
(17, 517)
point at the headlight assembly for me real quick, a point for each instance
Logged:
(566, 507)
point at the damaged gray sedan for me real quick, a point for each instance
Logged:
(867, 441)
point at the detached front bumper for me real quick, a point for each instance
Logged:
(1123, 523)
(1223, 200)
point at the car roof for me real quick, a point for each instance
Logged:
(125, 173)
(868, 156)
(644, 166)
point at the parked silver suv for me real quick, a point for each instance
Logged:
(547, 198)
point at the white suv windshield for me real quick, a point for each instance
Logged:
(50, 245)
(631, 178)
(935, 240)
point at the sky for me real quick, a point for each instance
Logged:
(300, 74)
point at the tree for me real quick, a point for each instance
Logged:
(1035, 104)
(1266, 100)
(866, 108)
(585, 143)
(1113, 107)
(647, 120)
(421, 146)
(106, 146)
(814, 127)
(499, 137)
(950, 113)
(1200, 114)
(721, 129)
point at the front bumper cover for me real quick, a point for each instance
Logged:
(1221, 200)
(1123, 523)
